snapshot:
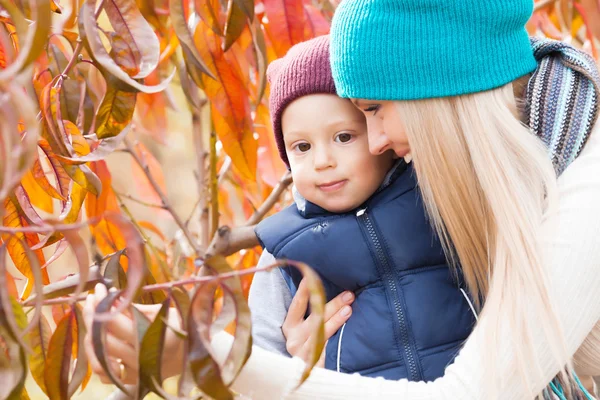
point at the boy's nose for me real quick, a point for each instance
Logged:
(323, 159)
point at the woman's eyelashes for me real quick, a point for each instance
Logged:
(372, 108)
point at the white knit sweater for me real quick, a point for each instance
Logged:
(572, 258)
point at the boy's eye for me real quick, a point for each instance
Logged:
(343, 138)
(303, 147)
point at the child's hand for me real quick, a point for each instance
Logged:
(120, 341)
(297, 330)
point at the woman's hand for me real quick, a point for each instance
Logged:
(121, 337)
(298, 331)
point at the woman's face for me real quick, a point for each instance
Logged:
(386, 130)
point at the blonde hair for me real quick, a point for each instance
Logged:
(486, 182)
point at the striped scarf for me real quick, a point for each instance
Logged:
(561, 109)
(562, 99)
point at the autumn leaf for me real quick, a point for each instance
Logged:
(88, 31)
(13, 359)
(193, 60)
(59, 357)
(236, 22)
(115, 112)
(99, 338)
(316, 25)
(39, 197)
(33, 40)
(205, 370)
(128, 22)
(230, 107)
(151, 111)
(151, 349)
(39, 338)
(17, 146)
(16, 243)
(210, 12)
(286, 24)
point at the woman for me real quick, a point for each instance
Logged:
(450, 82)
(440, 80)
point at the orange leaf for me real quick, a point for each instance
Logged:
(286, 23)
(13, 218)
(96, 205)
(12, 286)
(211, 13)
(58, 360)
(109, 239)
(151, 111)
(60, 175)
(59, 311)
(230, 106)
(39, 198)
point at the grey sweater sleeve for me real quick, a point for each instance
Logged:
(269, 300)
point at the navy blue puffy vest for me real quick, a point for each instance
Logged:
(410, 317)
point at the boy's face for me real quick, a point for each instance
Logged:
(327, 146)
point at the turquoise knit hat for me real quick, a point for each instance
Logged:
(417, 49)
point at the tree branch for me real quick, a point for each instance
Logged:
(163, 197)
(273, 198)
(228, 240)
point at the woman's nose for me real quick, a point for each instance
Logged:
(378, 141)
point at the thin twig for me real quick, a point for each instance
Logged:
(129, 197)
(213, 184)
(273, 198)
(201, 175)
(163, 198)
(169, 285)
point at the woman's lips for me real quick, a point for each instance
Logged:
(332, 186)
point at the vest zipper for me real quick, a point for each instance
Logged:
(410, 353)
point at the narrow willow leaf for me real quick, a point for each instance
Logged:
(115, 113)
(13, 359)
(193, 59)
(236, 22)
(114, 273)
(128, 22)
(39, 338)
(90, 36)
(205, 370)
(151, 349)
(242, 342)
(99, 338)
(58, 360)
(32, 37)
(81, 363)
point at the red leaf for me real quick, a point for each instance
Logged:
(229, 104)
(317, 24)
(286, 23)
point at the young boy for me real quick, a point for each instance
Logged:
(358, 220)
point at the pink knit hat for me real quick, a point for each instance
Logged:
(302, 71)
